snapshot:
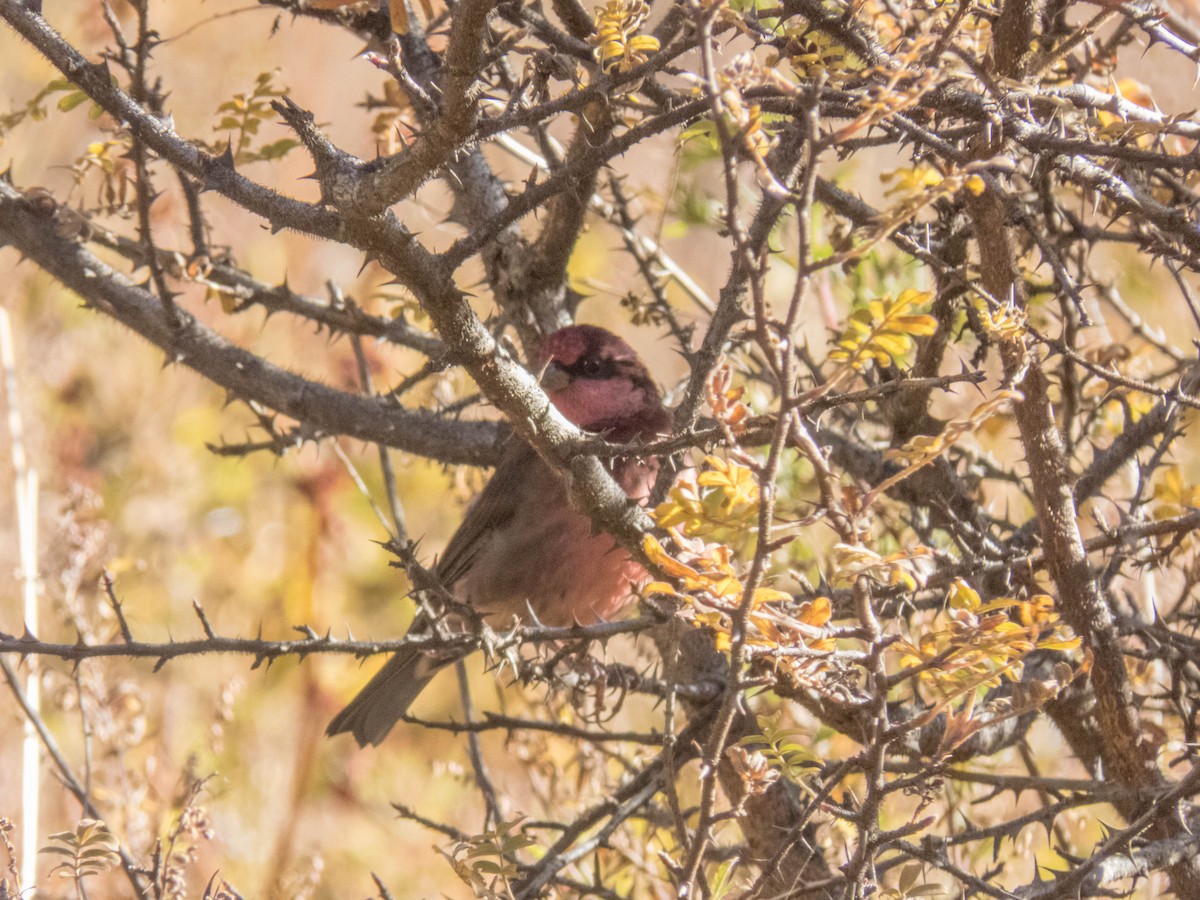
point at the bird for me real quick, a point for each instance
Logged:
(522, 552)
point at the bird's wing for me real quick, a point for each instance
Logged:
(492, 510)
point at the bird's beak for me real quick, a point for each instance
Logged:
(554, 377)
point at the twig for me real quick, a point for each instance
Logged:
(132, 871)
(491, 799)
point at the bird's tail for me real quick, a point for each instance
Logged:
(387, 696)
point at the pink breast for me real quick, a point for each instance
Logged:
(556, 565)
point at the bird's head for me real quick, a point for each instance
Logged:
(597, 381)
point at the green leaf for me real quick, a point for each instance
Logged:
(908, 876)
(69, 102)
(928, 890)
(278, 149)
(62, 851)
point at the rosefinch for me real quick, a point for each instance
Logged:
(522, 546)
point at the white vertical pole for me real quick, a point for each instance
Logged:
(25, 488)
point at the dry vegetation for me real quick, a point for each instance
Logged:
(918, 278)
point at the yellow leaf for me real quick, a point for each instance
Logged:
(658, 555)
(1061, 644)
(659, 587)
(963, 596)
(883, 330)
(769, 595)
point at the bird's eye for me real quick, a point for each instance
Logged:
(591, 367)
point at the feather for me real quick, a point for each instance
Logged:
(522, 547)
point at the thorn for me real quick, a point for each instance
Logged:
(208, 632)
(225, 160)
(291, 107)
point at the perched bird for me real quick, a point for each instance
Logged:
(522, 546)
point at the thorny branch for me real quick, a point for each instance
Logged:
(1022, 157)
